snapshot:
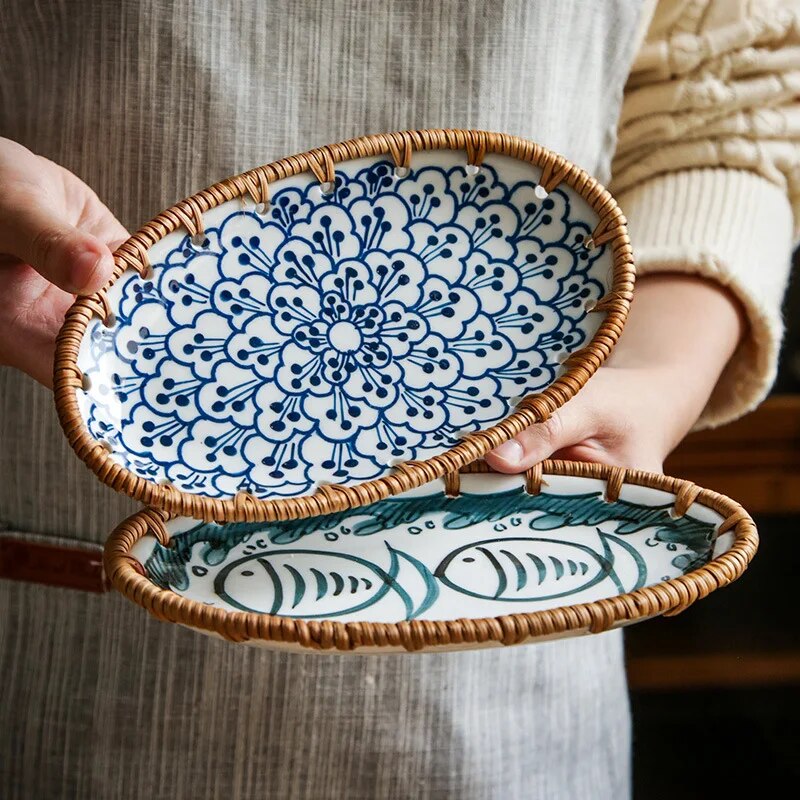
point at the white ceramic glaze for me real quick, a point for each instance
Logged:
(328, 337)
(491, 551)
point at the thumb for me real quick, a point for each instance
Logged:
(566, 426)
(70, 258)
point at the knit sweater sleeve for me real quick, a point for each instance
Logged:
(707, 167)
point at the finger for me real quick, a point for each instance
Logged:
(73, 260)
(641, 456)
(29, 321)
(35, 357)
(567, 426)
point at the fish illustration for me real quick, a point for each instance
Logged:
(529, 568)
(322, 583)
(300, 582)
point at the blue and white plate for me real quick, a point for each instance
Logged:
(423, 556)
(328, 337)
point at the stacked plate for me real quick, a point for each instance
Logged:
(299, 369)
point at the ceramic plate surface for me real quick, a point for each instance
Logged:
(326, 338)
(493, 550)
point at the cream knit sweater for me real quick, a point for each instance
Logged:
(707, 167)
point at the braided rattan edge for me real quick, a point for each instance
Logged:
(667, 597)
(188, 213)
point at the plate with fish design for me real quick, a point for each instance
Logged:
(485, 559)
(343, 325)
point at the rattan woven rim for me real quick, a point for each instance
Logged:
(580, 366)
(668, 597)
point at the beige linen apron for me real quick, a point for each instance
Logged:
(148, 101)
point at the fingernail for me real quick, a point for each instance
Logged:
(87, 273)
(510, 451)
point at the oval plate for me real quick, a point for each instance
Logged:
(373, 331)
(494, 564)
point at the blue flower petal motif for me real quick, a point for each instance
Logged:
(331, 336)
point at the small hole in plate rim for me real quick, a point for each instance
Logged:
(472, 169)
(110, 320)
(402, 172)
(590, 305)
(543, 484)
(326, 188)
(199, 241)
(86, 382)
(541, 192)
(262, 209)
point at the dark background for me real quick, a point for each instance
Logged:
(715, 691)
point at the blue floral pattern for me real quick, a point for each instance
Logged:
(333, 335)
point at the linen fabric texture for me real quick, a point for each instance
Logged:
(148, 101)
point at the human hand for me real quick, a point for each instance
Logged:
(56, 239)
(680, 334)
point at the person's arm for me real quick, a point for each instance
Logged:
(680, 333)
(707, 172)
(55, 242)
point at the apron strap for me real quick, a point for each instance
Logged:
(52, 562)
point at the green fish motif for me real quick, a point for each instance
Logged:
(524, 563)
(306, 584)
(530, 568)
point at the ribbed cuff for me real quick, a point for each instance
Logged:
(733, 227)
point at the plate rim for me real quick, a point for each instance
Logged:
(187, 213)
(666, 598)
